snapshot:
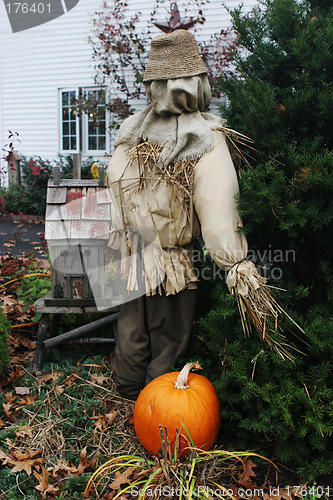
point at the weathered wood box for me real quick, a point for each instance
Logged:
(77, 225)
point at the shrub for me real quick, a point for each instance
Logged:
(30, 197)
(281, 96)
(267, 402)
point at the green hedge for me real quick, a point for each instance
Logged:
(280, 94)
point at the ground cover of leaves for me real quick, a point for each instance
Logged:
(56, 428)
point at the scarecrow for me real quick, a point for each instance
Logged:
(172, 172)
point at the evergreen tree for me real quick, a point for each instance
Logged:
(281, 95)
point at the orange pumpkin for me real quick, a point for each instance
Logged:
(174, 399)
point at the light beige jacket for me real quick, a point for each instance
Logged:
(157, 206)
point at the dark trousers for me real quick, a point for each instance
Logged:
(152, 333)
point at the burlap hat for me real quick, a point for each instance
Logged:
(174, 55)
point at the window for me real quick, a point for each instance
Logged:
(69, 121)
(96, 130)
(85, 132)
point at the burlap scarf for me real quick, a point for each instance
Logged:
(175, 119)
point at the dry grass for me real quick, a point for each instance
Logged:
(71, 421)
(178, 174)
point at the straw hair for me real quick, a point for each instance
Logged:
(174, 55)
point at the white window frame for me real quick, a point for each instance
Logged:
(85, 128)
(66, 152)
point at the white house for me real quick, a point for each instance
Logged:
(43, 68)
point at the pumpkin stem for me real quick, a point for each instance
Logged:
(181, 382)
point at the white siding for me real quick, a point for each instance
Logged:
(36, 63)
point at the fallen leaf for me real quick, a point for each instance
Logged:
(28, 401)
(108, 496)
(111, 417)
(94, 460)
(10, 397)
(59, 389)
(23, 318)
(28, 455)
(23, 431)
(244, 478)
(3, 455)
(23, 340)
(83, 463)
(130, 418)
(22, 391)
(23, 357)
(121, 479)
(83, 456)
(7, 407)
(21, 461)
(98, 379)
(63, 467)
(44, 487)
(54, 375)
(71, 379)
(25, 465)
(8, 301)
(101, 423)
(142, 473)
(15, 374)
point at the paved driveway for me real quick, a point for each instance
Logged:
(18, 238)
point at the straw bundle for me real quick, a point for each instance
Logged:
(257, 306)
(233, 139)
(178, 174)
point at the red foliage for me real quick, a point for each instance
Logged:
(35, 170)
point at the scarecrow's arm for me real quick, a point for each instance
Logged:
(215, 189)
